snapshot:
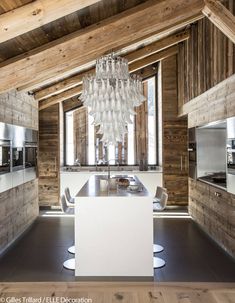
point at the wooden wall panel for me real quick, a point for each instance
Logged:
(80, 128)
(19, 205)
(175, 156)
(49, 156)
(215, 104)
(206, 58)
(215, 214)
(19, 109)
(18, 209)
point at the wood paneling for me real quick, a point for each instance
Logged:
(49, 156)
(205, 59)
(38, 13)
(19, 109)
(219, 15)
(18, 209)
(146, 51)
(77, 49)
(80, 129)
(175, 156)
(213, 209)
(64, 26)
(215, 104)
(141, 130)
(130, 292)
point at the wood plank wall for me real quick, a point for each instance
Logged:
(80, 129)
(206, 58)
(49, 156)
(213, 209)
(19, 205)
(19, 109)
(141, 129)
(175, 155)
(18, 210)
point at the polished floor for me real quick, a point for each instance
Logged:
(190, 255)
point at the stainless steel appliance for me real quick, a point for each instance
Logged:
(17, 158)
(5, 156)
(30, 161)
(192, 153)
(30, 154)
(231, 155)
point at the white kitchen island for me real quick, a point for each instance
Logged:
(113, 231)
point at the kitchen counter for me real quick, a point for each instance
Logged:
(76, 179)
(113, 232)
(92, 187)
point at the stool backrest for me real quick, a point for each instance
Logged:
(163, 200)
(160, 190)
(64, 206)
(67, 194)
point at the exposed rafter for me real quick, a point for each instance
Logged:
(153, 17)
(40, 12)
(221, 17)
(131, 57)
(132, 68)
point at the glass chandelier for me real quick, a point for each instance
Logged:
(111, 95)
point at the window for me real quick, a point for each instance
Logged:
(84, 145)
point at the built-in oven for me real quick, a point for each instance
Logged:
(30, 161)
(30, 154)
(5, 156)
(17, 158)
(231, 155)
(192, 153)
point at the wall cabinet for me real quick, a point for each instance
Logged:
(214, 210)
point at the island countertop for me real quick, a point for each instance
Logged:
(93, 187)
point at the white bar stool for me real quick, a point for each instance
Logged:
(70, 263)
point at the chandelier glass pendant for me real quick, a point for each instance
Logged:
(111, 95)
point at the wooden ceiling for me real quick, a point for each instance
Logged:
(61, 27)
(50, 60)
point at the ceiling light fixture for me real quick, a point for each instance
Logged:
(111, 96)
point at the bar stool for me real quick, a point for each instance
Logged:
(71, 203)
(160, 206)
(69, 198)
(70, 263)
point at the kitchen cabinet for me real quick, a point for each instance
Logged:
(214, 210)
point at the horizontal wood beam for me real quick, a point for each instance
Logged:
(131, 57)
(61, 97)
(222, 92)
(221, 17)
(137, 65)
(69, 53)
(38, 13)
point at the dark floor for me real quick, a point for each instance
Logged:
(189, 254)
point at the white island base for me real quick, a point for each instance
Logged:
(113, 232)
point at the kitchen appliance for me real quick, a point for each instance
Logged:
(30, 154)
(231, 155)
(30, 161)
(192, 153)
(5, 156)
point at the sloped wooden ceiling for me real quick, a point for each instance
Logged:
(61, 27)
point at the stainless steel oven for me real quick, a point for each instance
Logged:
(192, 153)
(5, 156)
(30, 154)
(30, 161)
(17, 158)
(231, 155)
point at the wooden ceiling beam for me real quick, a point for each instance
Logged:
(38, 13)
(131, 57)
(221, 17)
(137, 65)
(69, 53)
